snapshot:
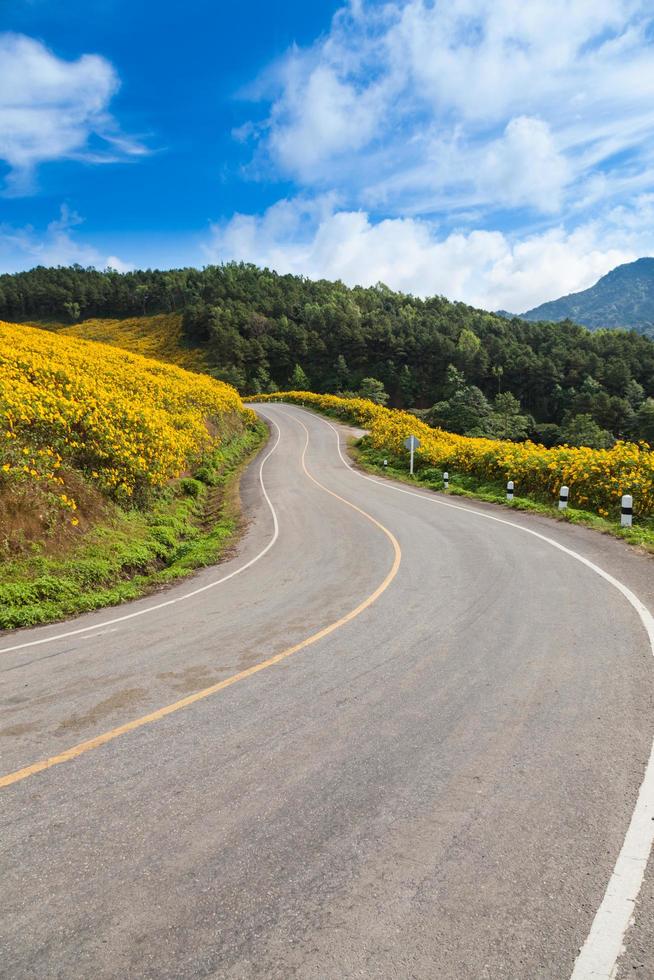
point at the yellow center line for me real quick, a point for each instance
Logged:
(169, 709)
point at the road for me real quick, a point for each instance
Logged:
(399, 739)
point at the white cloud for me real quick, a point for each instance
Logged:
(113, 262)
(57, 244)
(498, 152)
(483, 268)
(49, 109)
(320, 116)
(424, 107)
(522, 167)
(489, 60)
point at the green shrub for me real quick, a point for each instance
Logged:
(191, 487)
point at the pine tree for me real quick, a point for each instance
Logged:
(299, 380)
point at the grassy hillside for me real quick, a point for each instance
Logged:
(112, 466)
(158, 336)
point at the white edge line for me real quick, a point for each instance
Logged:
(604, 944)
(181, 598)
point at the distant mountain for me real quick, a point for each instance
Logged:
(621, 298)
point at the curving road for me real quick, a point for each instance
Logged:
(391, 737)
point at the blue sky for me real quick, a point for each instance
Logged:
(495, 151)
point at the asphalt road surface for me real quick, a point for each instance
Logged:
(405, 740)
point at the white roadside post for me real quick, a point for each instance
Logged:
(385, 462)
(627, 510)
(509, 490)
(446, 480)
(411, 443)
(564, 493)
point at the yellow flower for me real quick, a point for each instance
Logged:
(135, 422)
(596, 478)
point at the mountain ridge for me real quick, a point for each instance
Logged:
(623, 298)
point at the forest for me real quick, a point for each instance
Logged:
(465, 369)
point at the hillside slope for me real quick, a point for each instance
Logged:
(159, 336)
(97, 450)
(260, 331)
(623, 297)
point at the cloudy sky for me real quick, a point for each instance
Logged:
(498, 152)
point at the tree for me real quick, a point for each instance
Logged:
(467, 412)
(507, 420)
(468, 345)
(497, 371)
(645, 421)
(226, 345)
(232, 376)
(583, 430)
(373, 390)
(197, 322)
(407, 386)
(634, 393)
(262, 384)
(342, 374)
(455, 381)
(547, 434)
(142, 291)
(73, 310)
(299, 380)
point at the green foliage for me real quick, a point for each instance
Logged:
(255, 326)
(231, 375)
(373, 390)
(468, 345)
(634, 393)
(207, 474)
(191, 487)
(645, 421)
(262, 383)
(342, 374)
(299, 380)
(73, 310)
(547, 434)
(582, 430)
(507, 420)
(467, 412)
(407, 386)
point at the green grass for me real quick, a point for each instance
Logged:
(134, 552)
(462, 485)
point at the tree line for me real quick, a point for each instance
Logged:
(465, 369)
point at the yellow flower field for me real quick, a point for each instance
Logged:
(597, 478)
(130, 424)
(159, 336)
